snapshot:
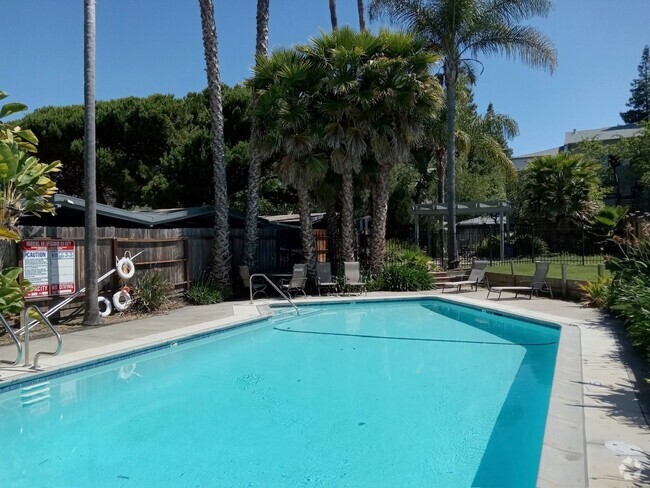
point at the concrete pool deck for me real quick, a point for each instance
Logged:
(612, 388)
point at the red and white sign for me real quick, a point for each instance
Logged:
(49, 266)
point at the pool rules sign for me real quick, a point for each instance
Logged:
(49, 266)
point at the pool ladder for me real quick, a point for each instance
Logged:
(25, 350)
(288, 299)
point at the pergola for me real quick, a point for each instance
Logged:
(500, 207)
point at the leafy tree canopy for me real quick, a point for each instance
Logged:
(639, 101)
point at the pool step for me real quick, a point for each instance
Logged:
(32, 394)
(281, 315)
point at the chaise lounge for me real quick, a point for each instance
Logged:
(537, 284)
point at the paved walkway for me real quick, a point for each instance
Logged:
(614, 398)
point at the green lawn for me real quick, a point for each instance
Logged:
(574, 271)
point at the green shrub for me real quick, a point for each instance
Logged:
(630, 289)
(597, 293)
(631, 300)
(151, 292)
(406, 253)
(402, 277)
(530, 245)
(489, 247)
(204, 292)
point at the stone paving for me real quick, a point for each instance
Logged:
(615, 395)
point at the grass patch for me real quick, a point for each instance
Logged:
(588, 272)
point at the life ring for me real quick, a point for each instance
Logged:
(121, 300)
(108, 308)
(125, 268)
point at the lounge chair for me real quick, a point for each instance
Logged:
(258, 287)
(324, 277)
(537, 284)
(296, 284)
(475, 278)
(352, 274)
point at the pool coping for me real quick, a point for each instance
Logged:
(563, 460)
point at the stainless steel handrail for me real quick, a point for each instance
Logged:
(250, 282)
(49, 324)
(16, 341)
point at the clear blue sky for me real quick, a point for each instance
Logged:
(154, 46)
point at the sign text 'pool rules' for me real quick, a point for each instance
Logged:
(49, 266)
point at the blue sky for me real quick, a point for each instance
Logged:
(154, 46)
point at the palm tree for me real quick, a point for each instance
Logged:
(220, 269)
(91, 307)
(362, 19)
(285, 87)
(255, 165)
(333, 18)
(405, 97)
(460, 30)
(345, 102)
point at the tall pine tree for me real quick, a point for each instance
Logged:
(639, 101)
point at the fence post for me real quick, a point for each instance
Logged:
(565, 285)
(115, 279)
(512, 272)
(600, 271)
(532, 242)
(582, 227)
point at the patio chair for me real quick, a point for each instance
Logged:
(352, 274)
(258, 287)
(296, 284)
(324, 277)
(537, 284)
(475, 278)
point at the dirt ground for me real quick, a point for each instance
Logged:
(74, 322)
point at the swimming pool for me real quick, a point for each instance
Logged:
(407, 393)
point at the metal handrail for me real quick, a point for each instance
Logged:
(16, 341)
(49, 324)
(250, 282)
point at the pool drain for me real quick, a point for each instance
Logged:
(623, 448)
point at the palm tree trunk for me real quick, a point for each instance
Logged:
(335, 24)
(441, 155)
(451, 75)
(362, 18)
(332, 234)
(255, 164)
(91, 307)
(380, 196)
(262, 38)
(306, 231)
(220, 269)
(347, 214)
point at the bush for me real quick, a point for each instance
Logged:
(204, 292)
(402, 277)
(631, 300)
(151, 292)
(597, 293)
(530, 245)
(489, 247)
(630, 289)
(406, 253)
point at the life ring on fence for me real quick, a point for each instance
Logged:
(125, 267)
(121, 300)
(108, 308)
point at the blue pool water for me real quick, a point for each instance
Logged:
(401, 394)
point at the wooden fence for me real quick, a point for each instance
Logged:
(182, 255)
